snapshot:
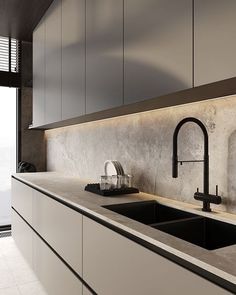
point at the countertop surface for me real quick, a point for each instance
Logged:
(70, 189)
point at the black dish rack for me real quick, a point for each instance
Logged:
(95, 188)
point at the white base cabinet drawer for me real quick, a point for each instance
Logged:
(22, 199)
(61, 227)
(113, 264)
(23, 236)
(56, 278)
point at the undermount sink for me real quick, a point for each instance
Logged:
(149, 212)
(201, 231)
(205, 232)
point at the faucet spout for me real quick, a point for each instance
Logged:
(205, 197)
(206, 147)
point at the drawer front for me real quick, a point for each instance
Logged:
(56, 278)
(61, 227)
(22, 235)
(113, 264)
(22, 199)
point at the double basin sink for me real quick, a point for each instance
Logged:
(202, 231)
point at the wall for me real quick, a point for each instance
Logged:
(143, 144)
(32, 142)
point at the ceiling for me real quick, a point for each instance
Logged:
(18, 18)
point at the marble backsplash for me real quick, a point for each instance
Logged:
(143, 144)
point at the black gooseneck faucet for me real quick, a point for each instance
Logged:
(205, 197)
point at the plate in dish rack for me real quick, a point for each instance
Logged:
(113, 168)
(110, 168)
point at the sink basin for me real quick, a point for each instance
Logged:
(149, 212)
(205, 232)
(201, 231)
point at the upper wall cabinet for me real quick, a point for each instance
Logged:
(104, 54)
(39, 74)
(73, 58)
(157, 48)
(215, 40)
(53, 63)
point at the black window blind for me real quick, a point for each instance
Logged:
(9, 55)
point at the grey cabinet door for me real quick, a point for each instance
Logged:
(73, 58)
(39, 74)
(53, 63)
(104, 54)
(157, 48)
(215, 40)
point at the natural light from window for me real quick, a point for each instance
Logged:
(7, 150)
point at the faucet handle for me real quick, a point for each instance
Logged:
(217, 190)
(197, 189)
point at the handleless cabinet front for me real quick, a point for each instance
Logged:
(61, 227)
(56, 278)
(157, 48)
(104, 54)
(22, 199)
(113, 264)
(214, 40)
(53, 63)
(73, 58)
(39, 74)
(23, 237)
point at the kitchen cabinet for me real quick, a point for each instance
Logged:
(214, 40)
(104, 54)
(50, 220)
(91, 56)
(22, 199)
(113, 264)
(107, 261)
(73, 58)
(53, 63)
(39, 74)
(157, 48)
(23, 237)
(56, 278)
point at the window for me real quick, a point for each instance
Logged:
(9, 55)
(7, 150)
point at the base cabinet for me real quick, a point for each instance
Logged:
(22, 199)
(54, 275)
(113, 264)
(56, 278)
(108, 262)
(61, 227)
(23, 237)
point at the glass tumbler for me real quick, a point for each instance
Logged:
(106, 182)
(124, 181)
